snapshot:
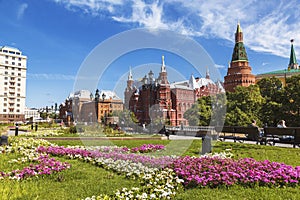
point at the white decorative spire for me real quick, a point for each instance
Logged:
(192, 82)
(130, 74)
(163, 67)
(207, 73)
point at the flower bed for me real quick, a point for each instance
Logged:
(213, 172)
(146, 148)
(159, 177)
(46, 166)
(27, 148)
(150, 161)
(157, 181)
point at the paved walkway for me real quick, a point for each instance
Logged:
(171, 137)
(179, 137)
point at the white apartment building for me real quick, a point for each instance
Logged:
(12, 84)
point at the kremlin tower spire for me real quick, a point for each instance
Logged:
(163, 66)
(239, 71)
(207, 73)
(293, 61)
(130, 74)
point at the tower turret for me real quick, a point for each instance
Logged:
(293, 60)
(239, 71)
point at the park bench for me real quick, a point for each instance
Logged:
(239, 133)
(290, 135)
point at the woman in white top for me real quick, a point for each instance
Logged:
(281, 124)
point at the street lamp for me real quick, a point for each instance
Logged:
(103, 108)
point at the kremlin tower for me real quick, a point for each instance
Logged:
(239, 71)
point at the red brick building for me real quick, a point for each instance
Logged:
(152, 99)
(82, 107)
(239, 70)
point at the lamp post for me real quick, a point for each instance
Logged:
(90, 116)
(103, 108)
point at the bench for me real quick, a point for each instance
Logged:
(239, 133)
(290, 135)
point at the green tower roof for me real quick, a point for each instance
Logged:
(293, 59)
(239, 52)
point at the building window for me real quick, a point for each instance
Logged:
(4, 110)
(19, 84)
(20, 59)
(18, 95)
(18, 105)
(19, 79)
(18, 110)
(5, 99)
(12, 52)
(19, 74)
(18, 100)
(13, 58)
(19, 64)
(13, 63)
(5, 78)
(5, 104)
(6, 62)
(5, 83)
(6, 72)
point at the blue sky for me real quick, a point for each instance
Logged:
(58, 35)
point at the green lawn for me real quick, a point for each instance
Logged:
(84, 180)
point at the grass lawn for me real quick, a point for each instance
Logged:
(84, 180)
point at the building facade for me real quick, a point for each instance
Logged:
(83, 107)
(239, 70)
(13, 66)
(69, 111)
(156, 99)
(101, 107)
(291, 70)
(32, 114)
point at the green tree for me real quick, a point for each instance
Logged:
(291, 101)
(243, 105)
(272, 111)
(219, 107)
(200, 113)
(126, 117)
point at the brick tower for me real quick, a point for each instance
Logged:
(239, 70)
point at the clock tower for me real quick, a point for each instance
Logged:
(239, 70)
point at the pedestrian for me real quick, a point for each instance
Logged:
(253, 124)
(281, 124)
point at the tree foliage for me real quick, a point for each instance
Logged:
(267, 102)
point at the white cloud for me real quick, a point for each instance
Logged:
(50, 77)
(21, 10)
(220, 66)
(267, 25)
